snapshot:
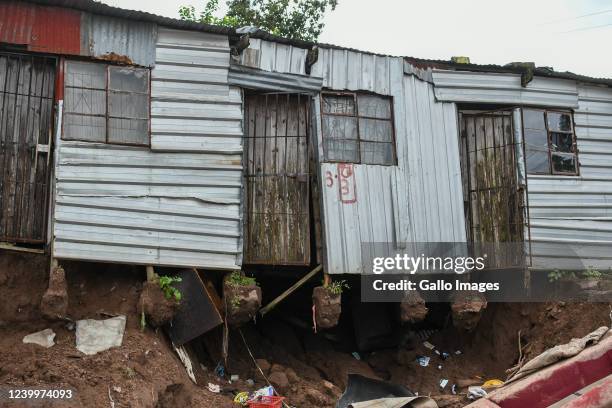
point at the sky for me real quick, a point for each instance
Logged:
(568, 35)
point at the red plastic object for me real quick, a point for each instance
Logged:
(266, 402)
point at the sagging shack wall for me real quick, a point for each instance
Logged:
(419, 199)
(176, 203)
(570, 217)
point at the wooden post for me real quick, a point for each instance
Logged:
(151, 275)
(289, 291)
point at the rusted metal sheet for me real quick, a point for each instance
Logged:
(67, 31)
(277, 178)
(43, 29)
(26, 123)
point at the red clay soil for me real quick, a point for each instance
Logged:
(145, 372)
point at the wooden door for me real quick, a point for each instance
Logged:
(26, 126)
(277, 179)
(494, 198)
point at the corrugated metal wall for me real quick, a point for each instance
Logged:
(479, 87)
(175, 204)
(420, 199)
(571, 217)
(66, 31)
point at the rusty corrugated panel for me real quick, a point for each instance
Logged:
(119, 40)
(43, 29)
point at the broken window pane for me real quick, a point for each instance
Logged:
(376, 153)
(561, 142)
(339, 104)
(128, 79)
(533, 119)
(559, 121)
(564, 162)
(375, 130)
(372, 106)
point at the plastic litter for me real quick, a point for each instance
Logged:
(475, 393)
(250, 382)
(264, 392)
(439, 366)
(458, 352)
(428, 345)
(423, 361)
(445, 355)
(454, 389)
(356, 355)
(220, 370)
(43, 338)
(443, 383)
(266, 402)
(241, 398)
(214, 388)
(234, 377)
(494, 383)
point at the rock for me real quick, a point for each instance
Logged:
(327, 307)
(412, 308)
(331, 389)
(467, 309)
(264, 365)
(157, 309)
(292, 376)
(279, 380)
(94, 336)
(276, 368)
(43, 338)
(54, 303)
(317, 398)
(241, 301)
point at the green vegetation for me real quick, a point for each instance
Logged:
(236, 278)
(588, 273)
(337, 287)
(170, 292)
(298, 19)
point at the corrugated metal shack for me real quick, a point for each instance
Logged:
(162, 142)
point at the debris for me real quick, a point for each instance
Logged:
(110, 397)
(458, 352)
(429, 345)
(443, 383)
(241, 398)
(279, 380)
(54, 303)
(423, 361)
(117, 389)
(475, 393)
(234, 377)
(220, 370)
(363, 392)
(214, 388)
(184, 357)
(559, 352)
(454, 389)
(356, 355)
(445, 355)
(439, 366)
(94, 336)
(266, 402)
(250, 382)
(264, 392)
(43, 338)
(495, 383)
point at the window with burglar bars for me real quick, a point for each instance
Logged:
(358, 128)
(550, 142)
(106, 103)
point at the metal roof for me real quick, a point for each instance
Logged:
(104, 9)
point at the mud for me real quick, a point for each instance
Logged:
(54, 303)
(467, 309)
(242, 302)
(157, 309)
(327, 307)
(413, 308)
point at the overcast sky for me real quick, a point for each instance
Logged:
(568, 35)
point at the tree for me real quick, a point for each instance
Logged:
(298, 19)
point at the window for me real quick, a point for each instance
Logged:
(106, 103)
(550, 143)
(357, 128)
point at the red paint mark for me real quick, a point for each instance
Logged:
(59, 80)
(346, 179)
